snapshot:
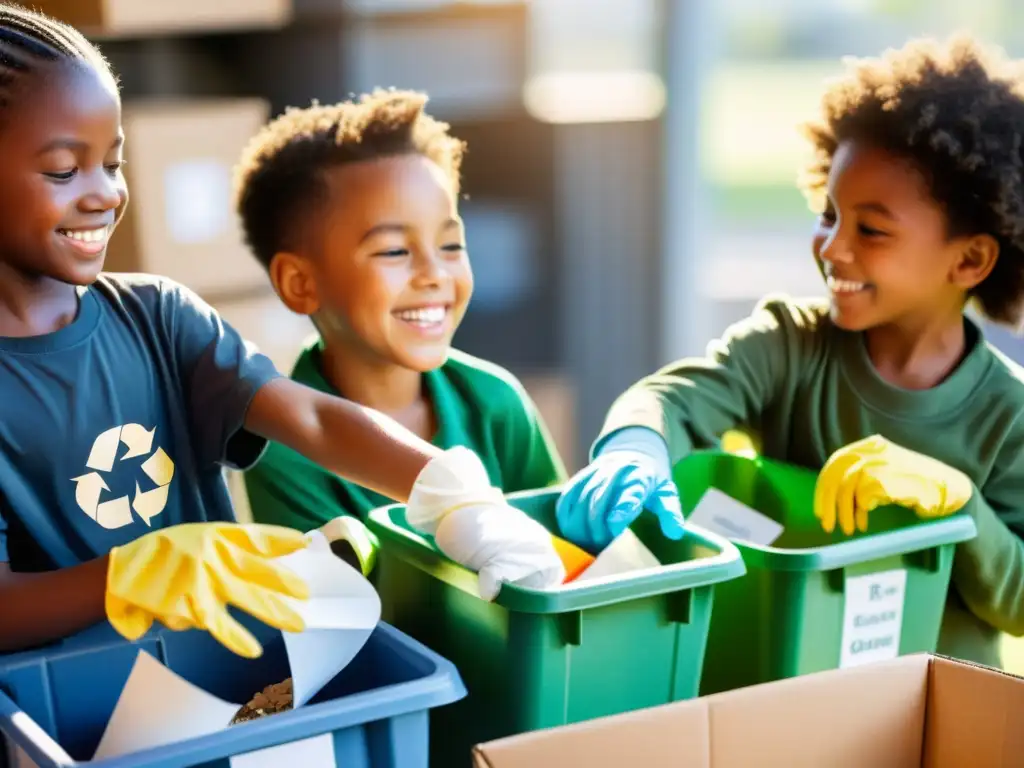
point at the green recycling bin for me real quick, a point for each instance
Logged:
(813, 601)
(534, 659)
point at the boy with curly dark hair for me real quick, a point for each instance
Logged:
(886, 385)
(353, 210)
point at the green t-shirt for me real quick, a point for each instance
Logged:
(804, 388)
(478, 405)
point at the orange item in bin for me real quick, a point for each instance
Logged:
(575, 560)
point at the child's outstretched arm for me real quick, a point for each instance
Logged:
(357, 443)
(374, 451)
(693, 401)
(663, 417)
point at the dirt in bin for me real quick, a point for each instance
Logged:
(271, 700)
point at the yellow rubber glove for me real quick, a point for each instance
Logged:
(362, 544)
(874, 472)
(735, 441)
(185, 576)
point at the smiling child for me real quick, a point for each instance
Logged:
(353, 210)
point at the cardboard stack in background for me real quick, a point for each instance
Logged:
(180, 155)
(102, 19)
(914, 712)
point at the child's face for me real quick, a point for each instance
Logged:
(882, 243)
(392, 275)
(61, 187)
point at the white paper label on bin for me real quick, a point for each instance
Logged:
(197, 196)
(722, 514)
(158, 707)
(872, 617)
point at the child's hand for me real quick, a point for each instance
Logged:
(874, 472)
(631, 473)
(502, 545)
(456, 478)
(185, 576)
(453, 501)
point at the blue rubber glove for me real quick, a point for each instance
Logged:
(630, 472)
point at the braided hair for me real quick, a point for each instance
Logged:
(29, 39)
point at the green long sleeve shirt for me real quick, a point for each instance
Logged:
(804, 388)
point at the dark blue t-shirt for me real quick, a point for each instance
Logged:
(121, 422)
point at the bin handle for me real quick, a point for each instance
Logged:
(680, 606)
(27, 734)
(926, 560)
(571, 627)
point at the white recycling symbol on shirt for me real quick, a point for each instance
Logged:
(117, 513)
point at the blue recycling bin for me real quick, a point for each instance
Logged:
(55, 701)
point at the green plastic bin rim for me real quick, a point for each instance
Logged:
(415, 549)
(926, 535)
(862, 548)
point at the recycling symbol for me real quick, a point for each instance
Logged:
(117, 513)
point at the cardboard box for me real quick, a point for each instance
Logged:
(180, 157)
(469, 57)
(915, 712)
(127, 18)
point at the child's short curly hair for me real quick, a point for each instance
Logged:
(280, 175)
(956, 112)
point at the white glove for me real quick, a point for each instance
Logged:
(502, 545)
(453, 501)
(455, 478)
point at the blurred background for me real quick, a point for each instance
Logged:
(630, 182)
